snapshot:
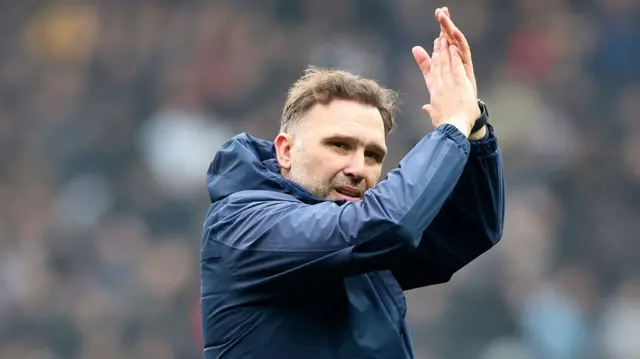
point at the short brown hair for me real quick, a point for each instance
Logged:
(319, 85)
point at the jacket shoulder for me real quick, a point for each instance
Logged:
(245, 200)
(240, 209)
(257, 196)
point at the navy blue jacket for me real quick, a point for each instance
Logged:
(286, 275)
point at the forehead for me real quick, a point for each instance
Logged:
(346, 118)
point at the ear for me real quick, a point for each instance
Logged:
(284, 146)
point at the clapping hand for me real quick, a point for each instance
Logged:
(453, 99)
(449, 30)
(453, 39)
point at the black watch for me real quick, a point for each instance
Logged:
(483, 119)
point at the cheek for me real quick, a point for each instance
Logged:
(330, 166)
(372, 177)
(321, 167)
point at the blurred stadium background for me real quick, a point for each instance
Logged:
(110, 112)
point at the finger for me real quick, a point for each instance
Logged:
(463, 46)
(455, 36)
(444, 10)
(424, 62)
(422, 59)
(436, 55)
(435, 75)
(446, 24)
(457, 67)
(436, 64)
(446, 60)
(437, 14)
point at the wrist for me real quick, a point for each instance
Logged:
(479, 134)
(461, 124)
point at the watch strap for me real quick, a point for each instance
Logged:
(483, 119)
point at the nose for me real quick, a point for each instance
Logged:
(356, 168)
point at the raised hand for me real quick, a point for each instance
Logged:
(452, 95)
(449, 30)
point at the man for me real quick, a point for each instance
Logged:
(305, 255)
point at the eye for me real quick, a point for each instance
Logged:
(340, 145)
(374, 156)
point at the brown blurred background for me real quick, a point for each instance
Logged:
(111, 110)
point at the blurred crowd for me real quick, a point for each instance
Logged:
(110, 112)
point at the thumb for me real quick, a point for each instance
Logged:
(431, 111)
(428, 109)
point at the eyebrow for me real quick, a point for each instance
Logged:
(374, 146)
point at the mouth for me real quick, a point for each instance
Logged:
(349, 193)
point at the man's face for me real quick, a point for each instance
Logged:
(337, 151)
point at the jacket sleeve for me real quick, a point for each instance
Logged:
(470, 222)
(270, 241)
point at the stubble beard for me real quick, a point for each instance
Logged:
(302, 173)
